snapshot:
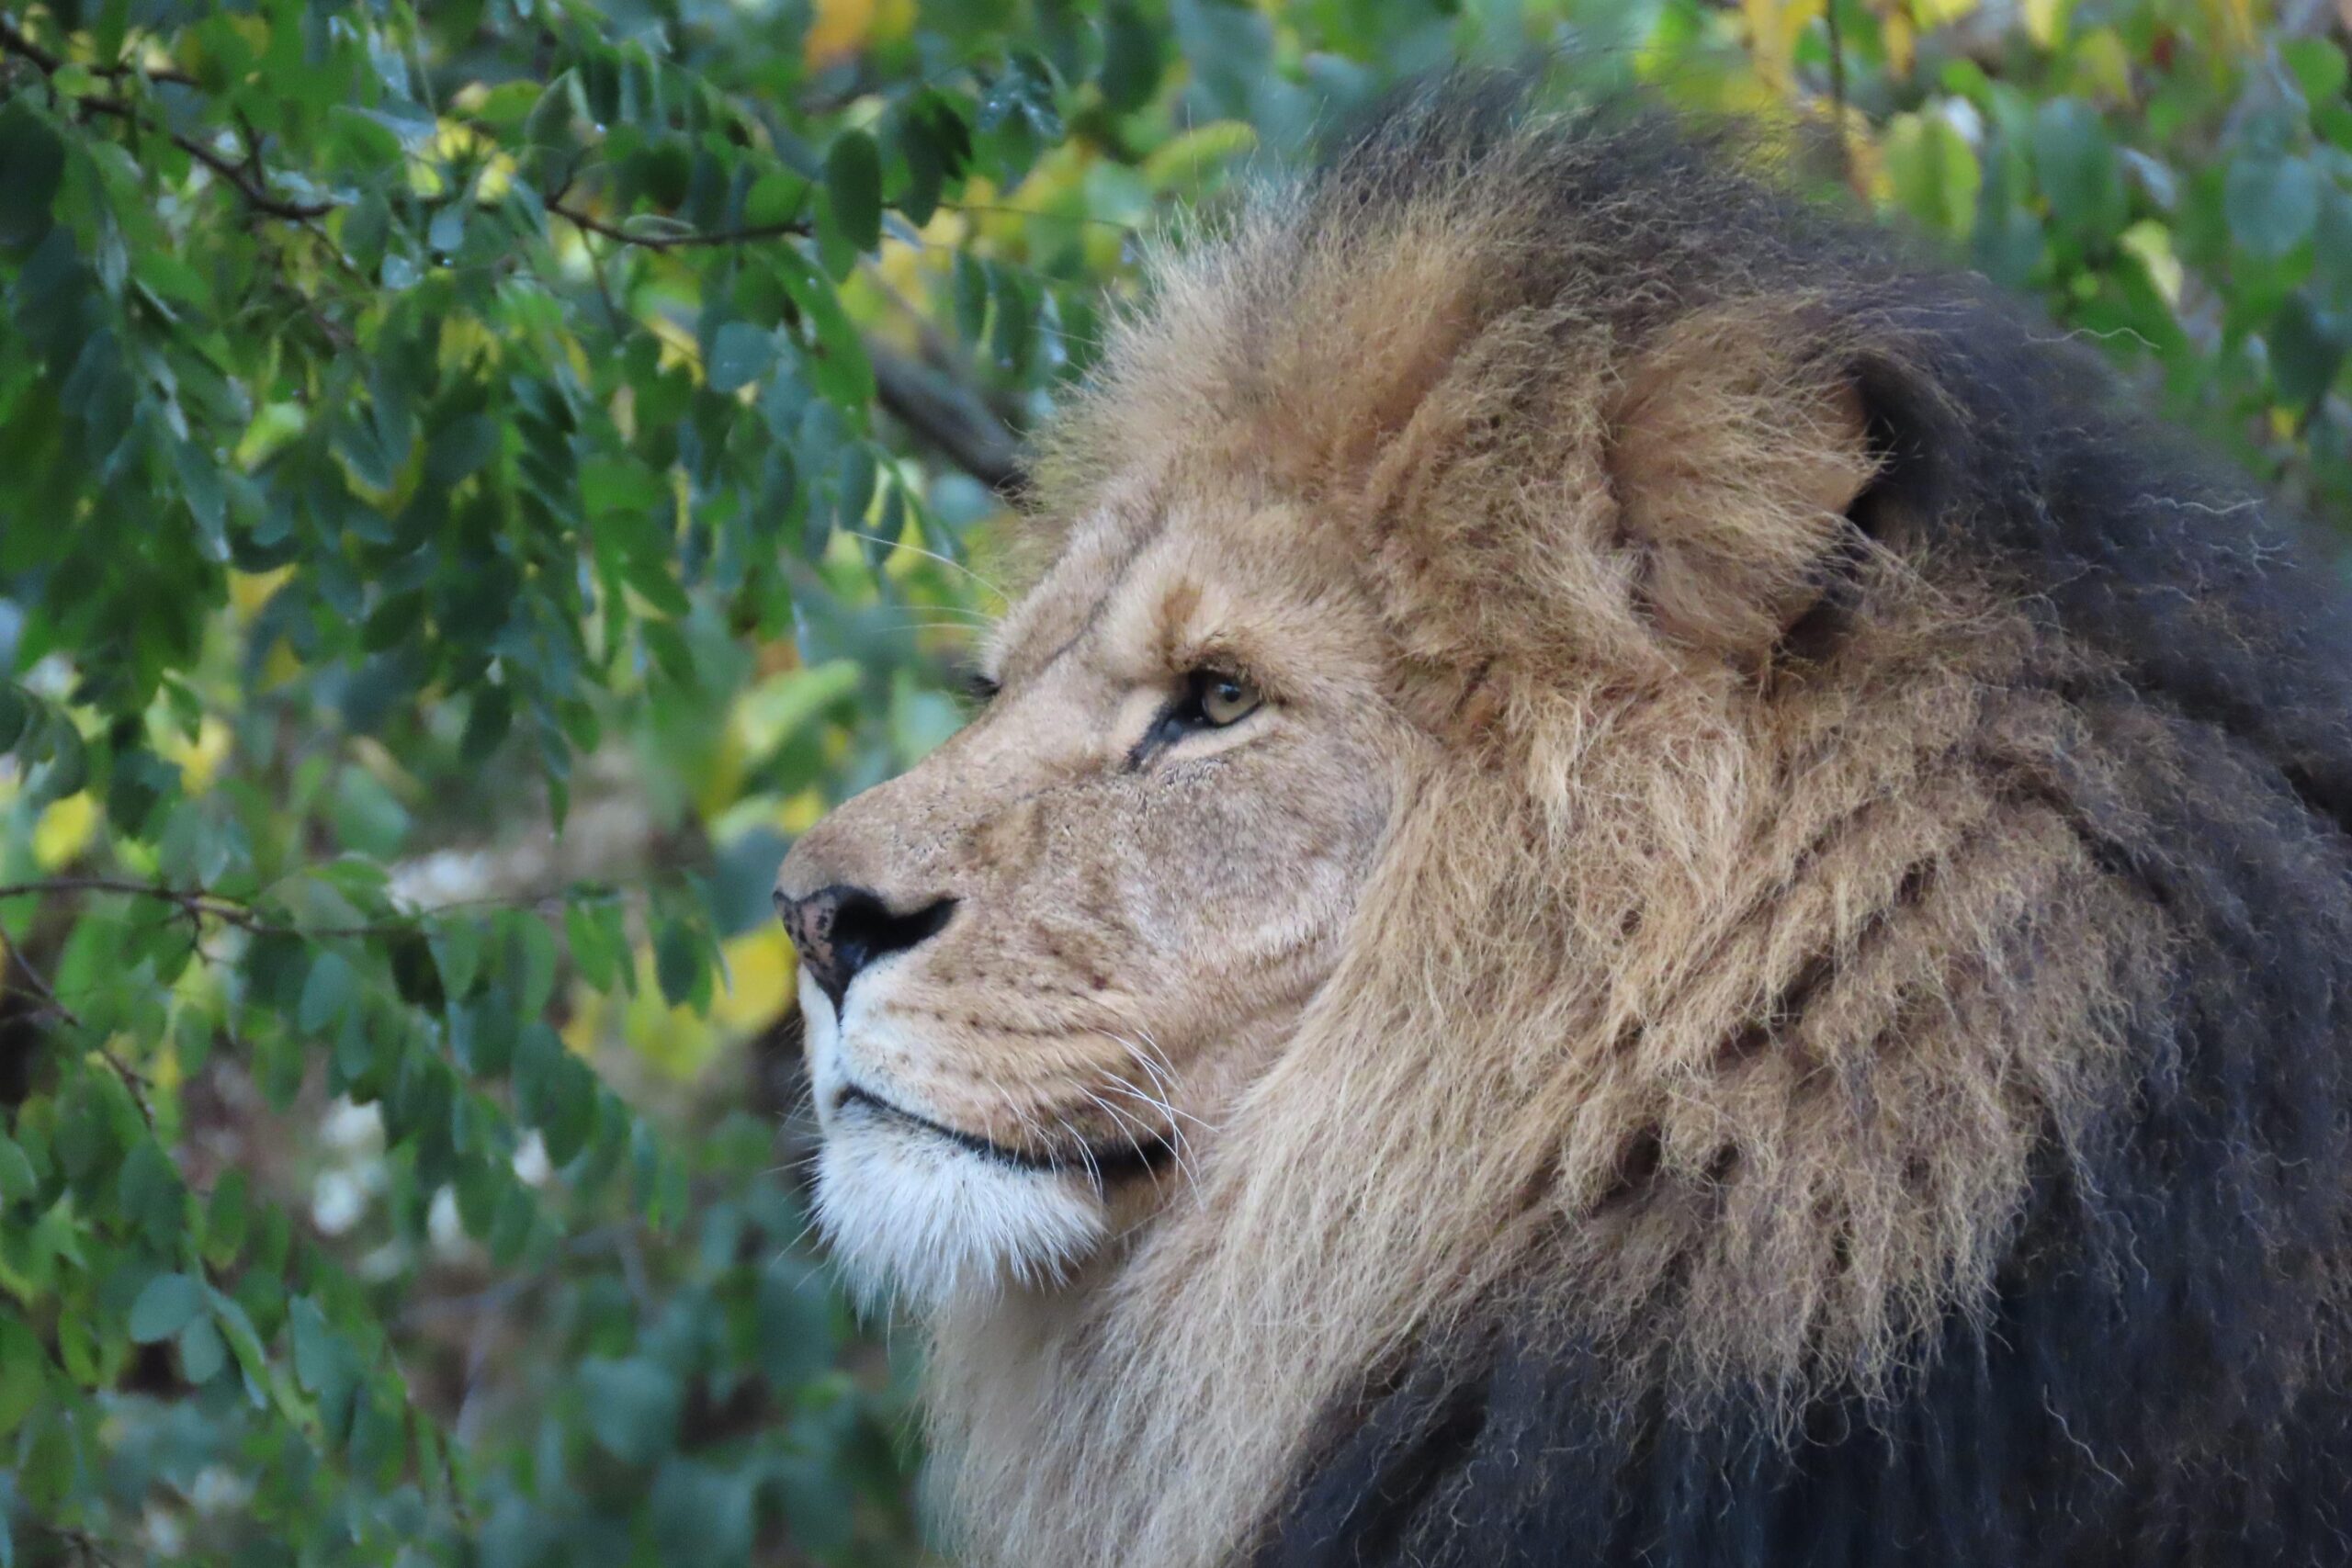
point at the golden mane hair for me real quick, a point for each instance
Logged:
(1878, 795)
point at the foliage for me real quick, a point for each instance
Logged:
(473, 481)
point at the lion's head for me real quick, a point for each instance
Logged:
(1037, 966)
(1040, 966)
(1557, 772)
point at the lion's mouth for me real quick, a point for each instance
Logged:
(1143, 1155)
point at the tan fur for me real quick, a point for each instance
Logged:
(1595, 964)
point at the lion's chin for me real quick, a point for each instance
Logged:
(912, 1217)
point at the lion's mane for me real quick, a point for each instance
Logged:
(1844, 1059)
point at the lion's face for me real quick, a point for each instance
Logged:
(1036, 969)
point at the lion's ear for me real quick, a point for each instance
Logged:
(1739, 450)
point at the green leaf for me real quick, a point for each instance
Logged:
(487, 722)
(65, 767)
(1131, 59)
(592, 955)
(202, 1351)
(935, 145)
(678, 962)
(318, 1354)
(17, 1177)
(16, 716)
(536, 980)
(457, 952)
(2077, 165)
(853, 185)
(2271, 204)
(1934, 171)
(2307, 346)
(632, 1407)
(24, 1372)
(837, 363)
(796, 1324)
(779, 196)
(701, 1514)
(227, 1217)
(2319, 67)
(151, 1194)
(740, 354)
(164, 1307)
(327, 994)
(32, 166)
(971, 296)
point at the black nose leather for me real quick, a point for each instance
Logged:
(841, 929)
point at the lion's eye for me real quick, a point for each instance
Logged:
(1212, 699)
(979, 687)
(1223, 699)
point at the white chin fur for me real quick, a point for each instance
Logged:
(911, 1215)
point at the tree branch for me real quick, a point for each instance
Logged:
(191, 902)
(950, 418)
(195, 903)
(680, 239)
(249, 185)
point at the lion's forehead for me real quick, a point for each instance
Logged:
(1139, 594)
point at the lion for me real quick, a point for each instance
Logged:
(1642, 883)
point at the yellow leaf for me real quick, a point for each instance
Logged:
(2230, 25)
(1941, 13)
(678, 346)
(497, 179)
(673, 1041)
(273, 425)
(721, 780)
(466, 342)
(839, 30)
(893, 20)
(200, 758)
(2150, 243)
(1773, 29)
(761, 979)
(249, 591)
(280, 667)
(804, 811)
(453, 139)
(2103, 67)
(64, 830)
(584, 1025)
(1902, 41)
(2045, 21)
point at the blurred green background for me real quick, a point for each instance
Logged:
(476, 479)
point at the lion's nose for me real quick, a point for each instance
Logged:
(841, 929)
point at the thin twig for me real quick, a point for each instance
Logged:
(171, 73)
(192, 901)
(197, 902)
(81, 1542)
(42, 991)
(136, 1082)
(250, 186)
(46, 995)
(682, 239)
